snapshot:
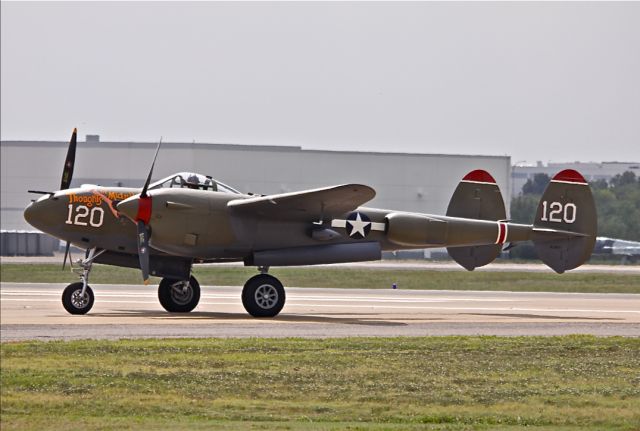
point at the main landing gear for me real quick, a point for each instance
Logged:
(263, 295)
(179, 296)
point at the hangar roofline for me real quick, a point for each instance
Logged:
(241, 147)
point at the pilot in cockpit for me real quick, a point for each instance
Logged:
(197, 182)
(192, 182)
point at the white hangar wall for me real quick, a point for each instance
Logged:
(409, 182)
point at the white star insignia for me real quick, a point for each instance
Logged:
(358, 225)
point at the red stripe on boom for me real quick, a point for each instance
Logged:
(502, 233)
(570, 176)
(480, 176)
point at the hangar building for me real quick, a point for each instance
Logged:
(403, 181)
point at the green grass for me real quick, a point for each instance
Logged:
(352, 277)
(452, 383)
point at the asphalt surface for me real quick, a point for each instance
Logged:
(34, 311)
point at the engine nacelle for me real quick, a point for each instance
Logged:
(318, 254)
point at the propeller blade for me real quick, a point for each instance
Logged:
(143, 215)
(146, 184)
(66, 254)
(67, 172)
(143, 250)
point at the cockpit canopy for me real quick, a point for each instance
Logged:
(193, 181)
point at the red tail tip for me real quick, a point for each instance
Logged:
(480, 176)
(569, 175)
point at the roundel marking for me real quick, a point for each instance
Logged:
(358, 225)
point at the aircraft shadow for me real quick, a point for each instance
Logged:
(210, 316)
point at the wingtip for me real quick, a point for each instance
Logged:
(75, 130)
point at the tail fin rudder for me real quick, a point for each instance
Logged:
(564, 230)
(476, 197)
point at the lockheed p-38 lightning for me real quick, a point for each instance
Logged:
(168, 225)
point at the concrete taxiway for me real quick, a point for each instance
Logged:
(34, 311)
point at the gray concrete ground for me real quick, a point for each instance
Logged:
(34, 311)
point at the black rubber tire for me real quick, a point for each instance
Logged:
(73, 303)
(174, 303)
(258, 296)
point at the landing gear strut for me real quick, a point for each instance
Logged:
(263, 296)
(77, 298)
(179, 296)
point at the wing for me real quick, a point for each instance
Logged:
(306, 205)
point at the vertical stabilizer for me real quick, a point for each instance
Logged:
(476, 197)
(565, 226)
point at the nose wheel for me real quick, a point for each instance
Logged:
(263, 296)
(77, 298)
(179, 296)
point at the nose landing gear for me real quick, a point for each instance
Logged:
(77, 298)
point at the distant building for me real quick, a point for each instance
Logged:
(591, 171)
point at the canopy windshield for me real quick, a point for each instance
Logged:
(192, 180)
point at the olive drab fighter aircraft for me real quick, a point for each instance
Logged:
(168, 225)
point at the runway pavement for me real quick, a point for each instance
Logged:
(34, 311)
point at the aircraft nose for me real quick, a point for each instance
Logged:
(129, 207)
(29, 213)
(33, 214)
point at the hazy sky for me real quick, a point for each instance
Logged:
(537, 81)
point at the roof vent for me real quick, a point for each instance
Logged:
(92, 139)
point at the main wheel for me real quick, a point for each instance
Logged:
(179, 296)
(263, 296)
(74, 302)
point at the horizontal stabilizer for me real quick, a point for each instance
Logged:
(550, 234)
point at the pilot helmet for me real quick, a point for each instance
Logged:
(192, 181)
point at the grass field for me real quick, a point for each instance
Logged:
(452, 383)
(373, 278)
